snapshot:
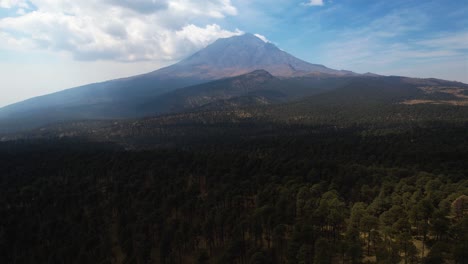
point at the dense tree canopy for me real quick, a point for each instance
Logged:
(295, 194)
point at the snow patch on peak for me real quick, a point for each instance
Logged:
(262, 38)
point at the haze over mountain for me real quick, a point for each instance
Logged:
(234, 72)
(122, 98)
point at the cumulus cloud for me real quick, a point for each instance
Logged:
(122, 30)
(314, 3)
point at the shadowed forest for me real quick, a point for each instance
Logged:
(295, 194)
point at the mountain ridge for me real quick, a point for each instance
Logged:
(234, 56)
(205, 65)
(121, 98)
(207, 79)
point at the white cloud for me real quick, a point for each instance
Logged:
(388, 45)
(13, 3)
(314, 3)
(121, 30)
(262, 38)
(210, 8)
(452, 41)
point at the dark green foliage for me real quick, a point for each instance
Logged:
(323, 252)
(239, 193)
(460, 246)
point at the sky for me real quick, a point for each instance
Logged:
(50, 45)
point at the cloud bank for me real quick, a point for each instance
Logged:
(121, 30)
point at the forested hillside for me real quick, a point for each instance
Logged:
(242, 193)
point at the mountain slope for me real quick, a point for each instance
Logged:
(257, 87)
(122, 98)
(242, 54)
(348, 101)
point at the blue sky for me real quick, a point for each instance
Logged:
(50, 45)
